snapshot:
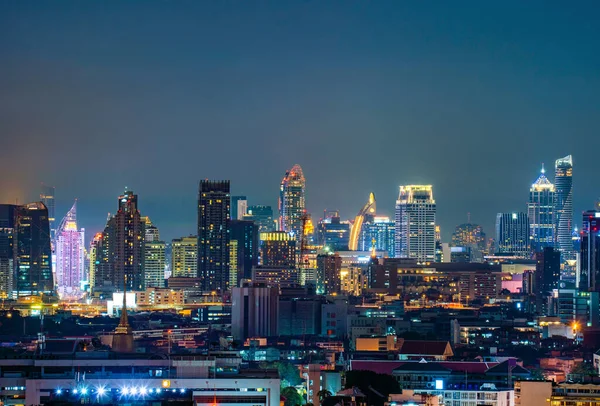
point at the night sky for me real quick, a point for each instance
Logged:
(471, 97)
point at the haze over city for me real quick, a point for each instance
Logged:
(365, 96)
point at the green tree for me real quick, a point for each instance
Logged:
(323, 394)
(289, 372)
(292, 397)
(582, 371)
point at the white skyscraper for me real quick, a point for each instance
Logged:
(415, 223)
(70, 256)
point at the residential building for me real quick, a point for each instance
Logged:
(154, 264)
(329, 268)
(415, 223)
(214, 234)
(184, 257)
(278, 249)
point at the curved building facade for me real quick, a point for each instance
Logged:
(365, 214)
(292, 201)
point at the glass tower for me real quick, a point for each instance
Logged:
(512, 234)
(563, 211)
(415, 223)
(540, 211)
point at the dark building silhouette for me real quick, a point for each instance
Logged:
(213, 234)
(547, 276)
(120, 251)
(590, 252)
(7, 254)
(328, 273)
(244, 245)
(33, 254)
(262, 217)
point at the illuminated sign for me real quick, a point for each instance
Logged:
(439, 384)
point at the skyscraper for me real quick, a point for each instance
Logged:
(292, 201)
(278, 249)
(512, 234)
(239, 207)
(547, 276)
(47, 194)
(540, 211)
(471, 237)
(154, 256)
(590, 252)
(7, 254)
(563, 211)
(334, 233)
(379, 232)
(121, 253)
(365, 215)
(95, 247)
(70, 256)
(245, 235)
(33, 254)
(184, 257)
(415, 223)
(213, 234)
(262, 217)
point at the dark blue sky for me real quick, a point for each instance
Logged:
(366, 95)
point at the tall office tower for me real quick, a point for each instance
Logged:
(47, 195)
(547, 276)
(245, 235)
(329, 278)
(7, 254)
(512, 234)
(278, 249)
(213, 234)
(365, 215)
(254, 311)
(239, 207)
(334, 233)
(262, 217)
(151, 232)
(70, 256)
(33, 255)
(94, 260)
(184, 257)
(590, 252)
(540, 210)
(378, 233)
(415, 223)
(563, 209)
(291, 201)
(123, 245)
(154, 264)
(471, 237)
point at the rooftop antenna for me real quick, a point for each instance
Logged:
(543, 170)
(469, 218)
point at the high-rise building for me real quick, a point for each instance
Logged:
(254, 311)
(70, 256)
(278, 249)
(471, 237)
(379, 233)
(154, 264)
(563, 211)
(7, 253)
(121, 250)
(151, 232)
(239, 207)
(47, 195)
(512, 234)
(292, 201)
(365, 215)
(213, 234)
(262, 217)
(590, 252)
(540, 210)
(547, 276)
(94, 260)
(184, 257)
(329, 278)
(415, 223)
(245, 235)
(33, 255)
(334, 233)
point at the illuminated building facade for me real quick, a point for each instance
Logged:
(245, 236)
(540, 210)
(329, 267)
(262, 217)
(292, 201)
(415, 223)
(278, 249)
(213, 234)
(590, 252)
(380, 233)
(472, 238)
(512, 234)
(93, 258)
(7, 254)
(33, 254)
(184, 257)
(70, 256)
(121, 253)
(334, 233)
(154, 256)
(239, 207)
(365, 215)
(563, 211)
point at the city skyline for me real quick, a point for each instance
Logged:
(331, 87)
